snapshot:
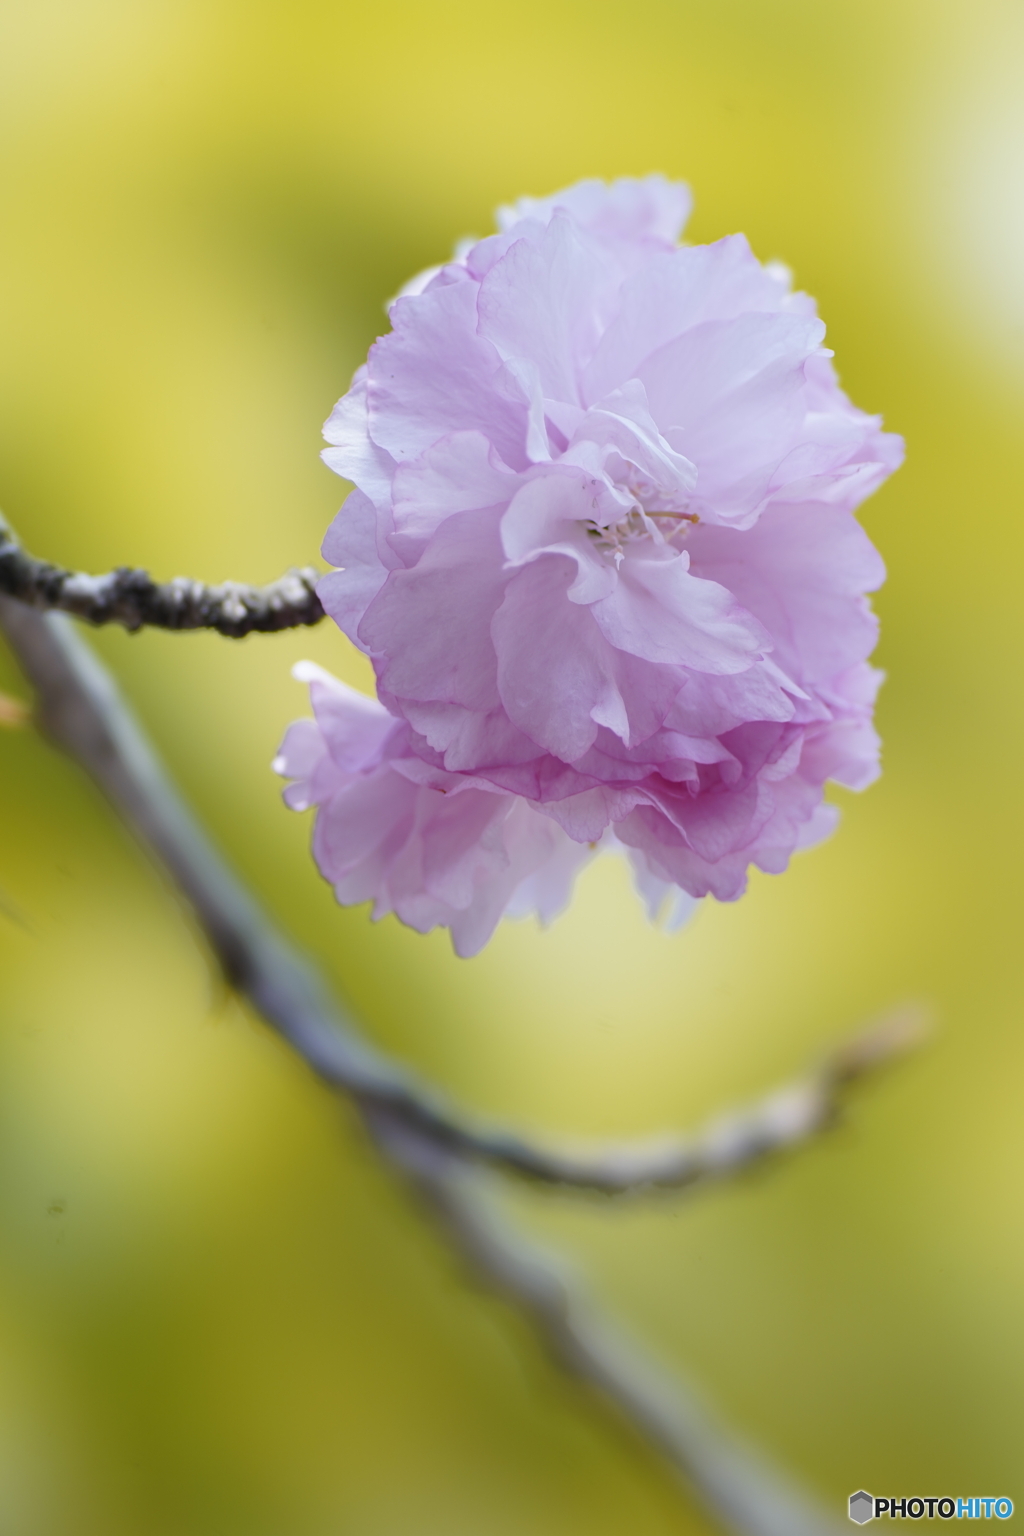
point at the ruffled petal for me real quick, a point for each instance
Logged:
(602, 554)
(563, 274)
(803, 571)
(662, 613)
(675, 292)
(729, 394)
(434, 375)
(429, 627)
(352, 543)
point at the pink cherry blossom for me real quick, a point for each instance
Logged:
(603, 556)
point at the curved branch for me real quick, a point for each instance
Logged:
(741, 1488)
(133, 599)
(81, 710)
(728, 1144)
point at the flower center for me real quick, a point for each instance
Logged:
(637, 524)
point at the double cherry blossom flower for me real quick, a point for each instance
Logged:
(602, 554)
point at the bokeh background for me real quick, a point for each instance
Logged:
(217, 1314)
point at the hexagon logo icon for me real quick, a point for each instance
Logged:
(862, 1507)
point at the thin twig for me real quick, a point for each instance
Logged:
(81, 710)
(729, 1144)
(133, 599)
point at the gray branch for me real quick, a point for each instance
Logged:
(738, 1486)
(81, 710)
(79, 707)
(729, 1144)
(133, 599)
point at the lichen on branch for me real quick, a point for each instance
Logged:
(131, 598)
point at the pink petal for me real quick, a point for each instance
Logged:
(352, 543)
(803, 571)
(729, 394)
(429, 626)
(662, 613)
(435, 375)
(561, 274)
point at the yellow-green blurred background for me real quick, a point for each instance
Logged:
(218, 1317)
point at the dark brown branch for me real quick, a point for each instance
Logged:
(133, 599)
